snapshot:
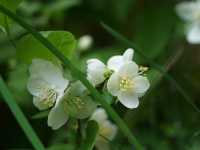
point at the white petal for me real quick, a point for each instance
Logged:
(48, 72)
(99, 115)
(193, 35)
(141, 84)
(95, 71)
(129, 99)
(129, 70)
(115, 62)
(108, 129)
(57, 117)
(39, 104)
(36, 85)
(128, 55)
(113, 84)
(188, 10)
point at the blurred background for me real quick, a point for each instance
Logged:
(164, 119)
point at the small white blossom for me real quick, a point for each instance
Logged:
(47, 85)
(85, 42)
(107, 130)
(190, 13)
(97, 71)
(128, 85)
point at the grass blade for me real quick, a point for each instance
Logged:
(152, 64)
(20, 117)
(78, 75)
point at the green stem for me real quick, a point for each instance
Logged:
(20, 117)
(77, 74)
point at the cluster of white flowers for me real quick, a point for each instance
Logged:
(124, 79)
(64, 98)
(190, 12)
(52, 91)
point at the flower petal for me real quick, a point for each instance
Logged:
(39, 104)
(108, 129)
(113, 84)
(57, 117)
(129, 99)
(115, 62)
(141, 84)
(99, 115)
(193, 35)
(76, 89)
(48, 72)
(95, 71)
(188, 10)
(36, 85)
(128, 55)
(129, 70)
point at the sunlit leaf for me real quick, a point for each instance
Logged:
(29, 48)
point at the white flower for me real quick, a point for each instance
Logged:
(97, 71)
(190, 12)
(47, 85)
(75, 103)
(128, 85)
(85, 42)
(107, 130)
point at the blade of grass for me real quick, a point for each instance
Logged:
(20, 117)
(78, 75)
(153, 64)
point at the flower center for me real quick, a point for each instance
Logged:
(125, 84)
(49, 97)
(73, 105)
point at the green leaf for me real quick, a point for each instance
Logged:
(154, 28)
(28, 47)
(91, 134)
(20, 117)
(17, 83)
